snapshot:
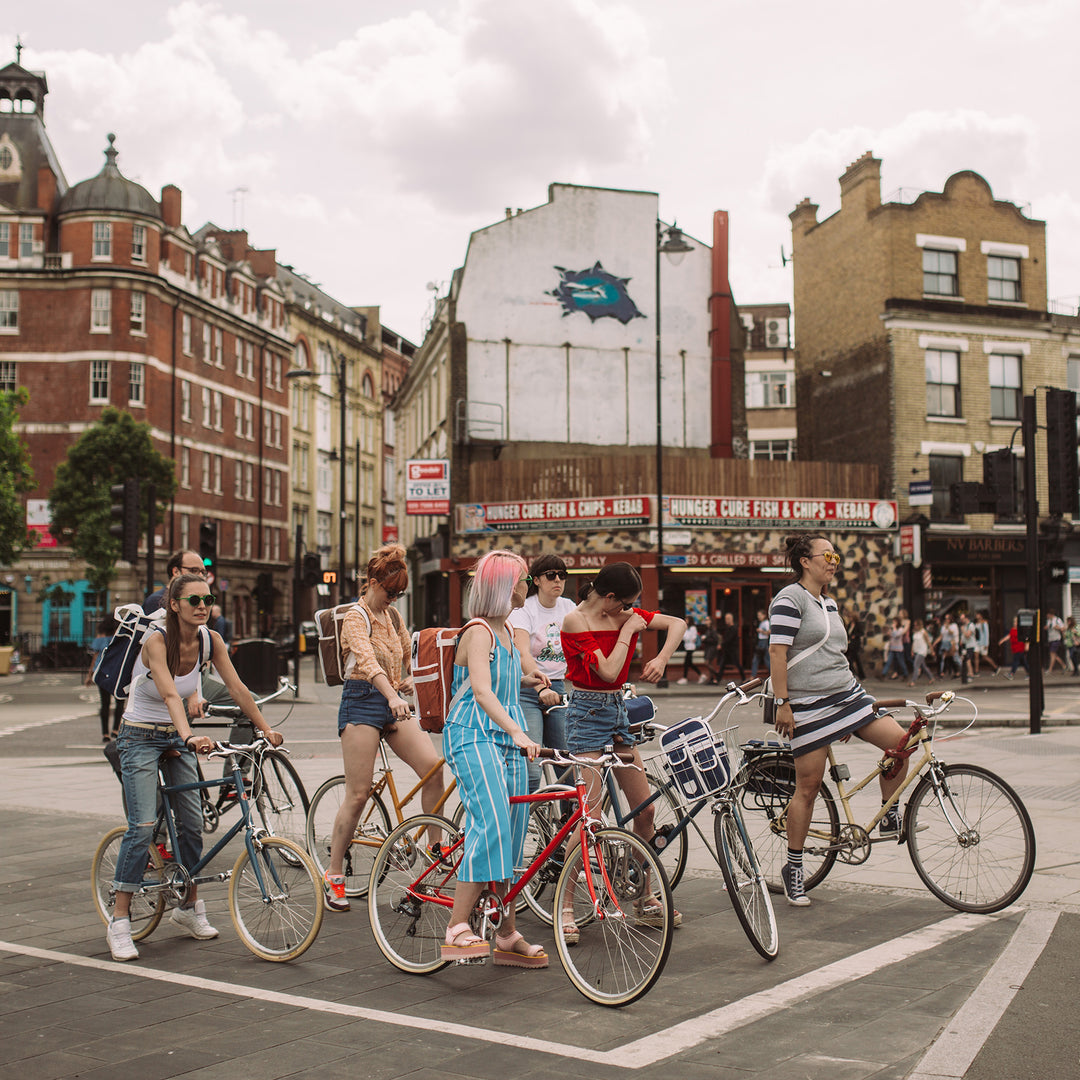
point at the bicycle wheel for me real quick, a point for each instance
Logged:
(972, 844)
(672, 850)
(545, 820)
(746, 888)
(276, 899)
(146, 908)
(767, 787)
(411, 893)
(280, 799)
(522, 901)
(622, 949)
(371, 830)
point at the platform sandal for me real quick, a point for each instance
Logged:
(515, 951)
(462, 945)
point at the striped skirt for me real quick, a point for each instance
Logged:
(820, 721)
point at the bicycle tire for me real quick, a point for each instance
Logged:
(146, 908)
(282, 922)
(280, 799)
(746, 887)
(667, 813)
(617, 957)
(766, 787)
(988, 867)
(407, 918)
(371, 830)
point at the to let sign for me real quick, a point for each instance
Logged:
(427, 486)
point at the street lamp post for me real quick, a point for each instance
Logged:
(342, 387)
(670, 242)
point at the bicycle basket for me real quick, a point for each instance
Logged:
(698, 760)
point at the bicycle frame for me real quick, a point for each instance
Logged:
(387, 781)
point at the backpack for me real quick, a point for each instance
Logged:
(432, 659)
(329, 620)
(117, 660)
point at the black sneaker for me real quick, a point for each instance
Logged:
(792, 877)
(890, 824)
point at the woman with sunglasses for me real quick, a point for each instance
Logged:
(167, 672)
(537, 630)
(375, 646)
(817, 699)
(598, 638)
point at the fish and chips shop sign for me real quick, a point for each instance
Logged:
(618, 512)
(742, 512)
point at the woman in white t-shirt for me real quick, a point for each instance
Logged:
(537, 630)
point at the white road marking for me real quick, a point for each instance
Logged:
(957, 1046)
(639, 1054)
(14, 729)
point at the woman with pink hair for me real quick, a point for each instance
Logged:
(482, 740)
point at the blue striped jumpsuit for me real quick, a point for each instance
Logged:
(489, 768)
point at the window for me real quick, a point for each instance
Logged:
(100, 311)
(102, 240)
(239, 357)
(769, 389)
(942, 383)
(944, 472)
(138, 243)
(219, 348)
(249, 354)
(277, 430)
(1002, 278)
(185, 334)
(266, 427)
(185, 400)
(266, 542)
(237, 551)
(249, 421)
(217, 474)
(368, 386)
(217, 411)
(137, 384)
(277, 487)
(9, 311)
(185, 467)
(5, 240)
(206, 406)
(26, 241)
(247, 541)
(1074, 373)
(205, 471)
(238, 411)
(1005, 387)
(7, 375)
(185, 531)
(249, 481)
(138, 313)
(939, 273)
(99, 381)
(762, 449)
(206, 354)
(322, 532)
(238, 480)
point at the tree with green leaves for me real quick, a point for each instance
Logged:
(112, 450)
(16, 477)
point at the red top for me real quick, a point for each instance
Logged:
(580, 651)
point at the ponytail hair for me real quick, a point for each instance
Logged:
(172, 618)
(388, 567)
(799, 547)
(618, 578)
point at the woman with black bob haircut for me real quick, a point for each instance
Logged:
(818, 701)
(537, 630)
(598, 639)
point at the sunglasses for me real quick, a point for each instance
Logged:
(829, 556)
(394, 595)
(626, 605)
(195, 601)
(551, 575)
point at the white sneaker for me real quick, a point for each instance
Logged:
(193, 920)
(704, 679)
(680, 682)
(118, 938)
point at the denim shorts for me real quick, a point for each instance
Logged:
(595, 719)
(361, 703)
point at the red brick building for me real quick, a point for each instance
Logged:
(107, 299)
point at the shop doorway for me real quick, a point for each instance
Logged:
(743, 599)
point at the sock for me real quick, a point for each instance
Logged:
(794, 858)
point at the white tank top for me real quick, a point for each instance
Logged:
(145, 704)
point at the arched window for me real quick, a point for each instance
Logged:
(368, 386)
(24, 103)
(300, 357)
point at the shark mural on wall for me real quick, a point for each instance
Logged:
(595, 292)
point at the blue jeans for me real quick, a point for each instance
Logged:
(596, 719)
(894, 656)
(543, 726)
(363, 703)
(140, 751)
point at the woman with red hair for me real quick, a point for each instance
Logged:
(375, 647)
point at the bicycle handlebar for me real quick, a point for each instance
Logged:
(564, 757)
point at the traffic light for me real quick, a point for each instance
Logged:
(1061, 447)
(311, 571)
(999, 476)
(124, 513)
(208, 549)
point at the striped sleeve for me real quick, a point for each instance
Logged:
(784, 621)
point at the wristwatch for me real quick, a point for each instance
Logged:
(781, 701)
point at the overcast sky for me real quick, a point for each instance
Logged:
(373, 136)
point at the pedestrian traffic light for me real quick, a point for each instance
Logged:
(311, 572)
(208, 549)
(999, 476)
(1062, 466)
(124, 514)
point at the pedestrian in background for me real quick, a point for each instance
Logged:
(982, 643)
(710, 647)
(690, 640)
(1017, 648)
(1055, 628)
(855, 634)
(761, 647)
(920, 650)
(106, 629)
(894, 653)
(222, 625)
(729, 647)
(905, 624)
(1071, 641)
